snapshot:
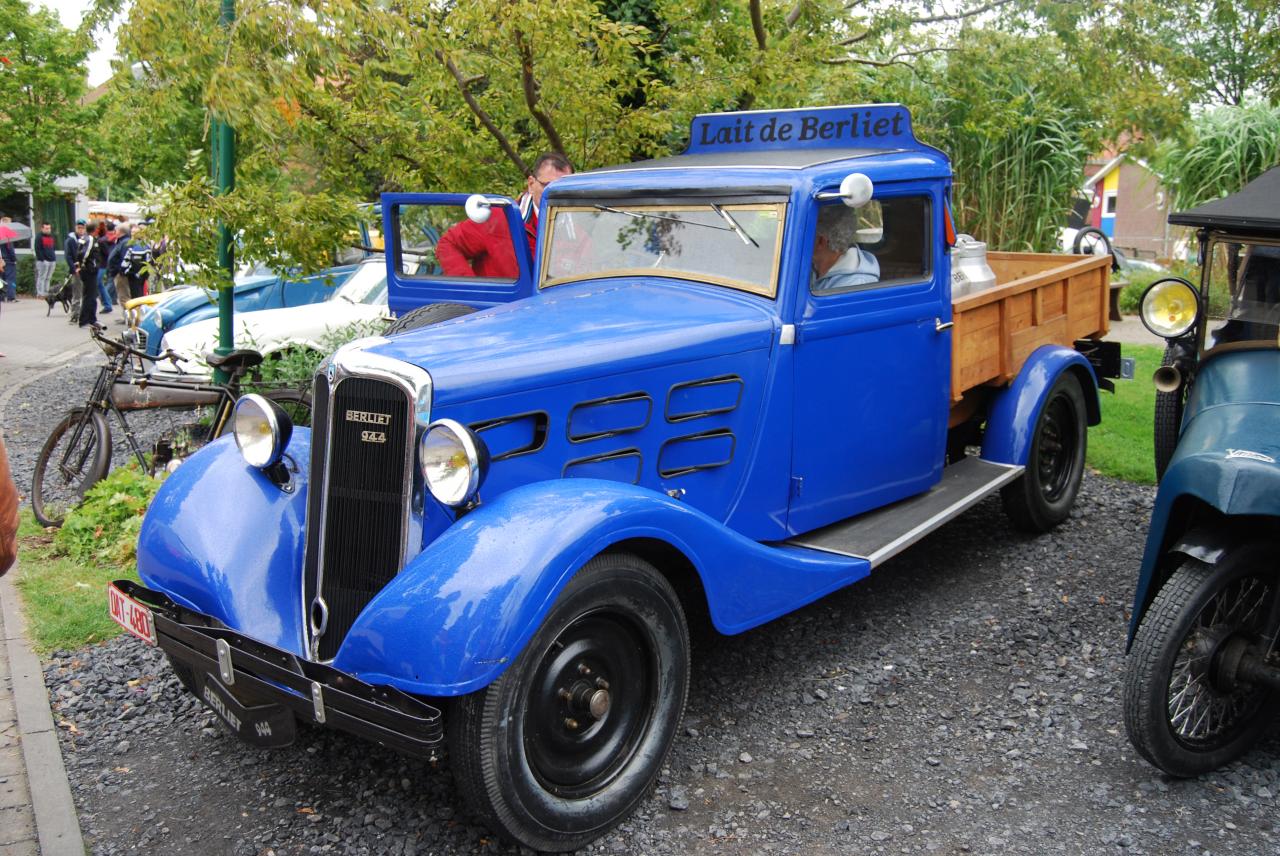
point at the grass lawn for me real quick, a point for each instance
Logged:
(1122, 446)
(65, 600)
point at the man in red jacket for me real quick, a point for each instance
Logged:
(484, 249)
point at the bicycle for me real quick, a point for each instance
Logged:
(78, 452)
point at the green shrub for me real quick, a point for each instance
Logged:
(294, 367)
(105, 527)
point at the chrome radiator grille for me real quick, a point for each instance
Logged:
(360, 443)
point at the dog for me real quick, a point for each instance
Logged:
(62, 294)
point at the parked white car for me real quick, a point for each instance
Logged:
(361, 300)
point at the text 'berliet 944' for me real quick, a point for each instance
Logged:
(728, 383)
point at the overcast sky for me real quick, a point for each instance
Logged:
(70, 11)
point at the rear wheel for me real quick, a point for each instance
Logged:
(1168, 420)
(1184, 709)
(425, 316)
(1042, 496)
(565, 743)
(75, 457)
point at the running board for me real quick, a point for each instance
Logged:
(881, 534)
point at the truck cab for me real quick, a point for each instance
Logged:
(727, 383)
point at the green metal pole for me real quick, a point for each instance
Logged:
(224, 180)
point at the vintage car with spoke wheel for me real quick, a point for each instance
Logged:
(727, 384)
(1203, 677)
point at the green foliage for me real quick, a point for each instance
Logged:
(1018, 132)
(1225, 148)
(65, 599)
(105, 527)
(1226, 51)
(295, 367)
(42, 125)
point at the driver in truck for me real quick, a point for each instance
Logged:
(838, 261)
(484, 249)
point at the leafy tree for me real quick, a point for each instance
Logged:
(42, 125)
(335, 101)
(1226, 51)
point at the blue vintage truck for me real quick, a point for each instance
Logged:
(730, 382)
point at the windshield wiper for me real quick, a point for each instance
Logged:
(733, 224)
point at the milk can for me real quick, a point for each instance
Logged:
(970, 272)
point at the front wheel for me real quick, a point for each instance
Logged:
(1184, 709)
(1042, 496)
(565, 743)
(76, 456)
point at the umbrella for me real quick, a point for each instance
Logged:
(14, 231)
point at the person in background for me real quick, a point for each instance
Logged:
(46, 258)
(105, 236)
(8, 513)
(135, 262)
(9, 265)
(71, 253)
(88, 262)
(115, 268)
(484, 249)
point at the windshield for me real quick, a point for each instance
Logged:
(733, 245)
(367, 285)
(1244, 294)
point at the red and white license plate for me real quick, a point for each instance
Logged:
(131, 615)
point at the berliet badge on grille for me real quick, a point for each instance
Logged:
(368, 417)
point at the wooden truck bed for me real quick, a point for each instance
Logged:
(1038, 299)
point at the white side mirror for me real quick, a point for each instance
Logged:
(856, 190)
(478, 208)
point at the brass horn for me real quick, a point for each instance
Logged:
(1167, 379)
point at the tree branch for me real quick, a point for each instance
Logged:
(532, 95)
(794, 14)
(485, 118)
(933, 19)
(757, 25)
(896, 59)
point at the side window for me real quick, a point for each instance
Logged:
(885, 242)
(439, 241)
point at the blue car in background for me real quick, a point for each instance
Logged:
(257, 289)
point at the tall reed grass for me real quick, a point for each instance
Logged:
(1227, 147)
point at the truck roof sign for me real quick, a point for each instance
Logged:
(868, 126)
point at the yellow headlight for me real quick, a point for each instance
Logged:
(1169, 307)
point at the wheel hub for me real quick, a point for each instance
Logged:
(586, 698)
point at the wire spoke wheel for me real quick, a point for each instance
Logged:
(76, 456)
(1186, 709)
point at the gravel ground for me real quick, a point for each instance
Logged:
(963, 700)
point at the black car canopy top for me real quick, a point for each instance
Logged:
(1255, 208)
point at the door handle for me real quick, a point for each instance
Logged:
(939, 325)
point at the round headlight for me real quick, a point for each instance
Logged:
(453, 461)
(1169, 307)
(262, 430)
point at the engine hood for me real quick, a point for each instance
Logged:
(577, 332)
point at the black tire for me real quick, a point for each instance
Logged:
(1089, 241)
(1168, 420)
(1042, 496)
(57, 487)
(1177, 711)
(425, 316)
(541, 769)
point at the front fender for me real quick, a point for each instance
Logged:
(221, 539)
(462, 609)
(1203, 472)
(1011, 419)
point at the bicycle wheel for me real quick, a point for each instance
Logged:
(75, 457)
(294, 402)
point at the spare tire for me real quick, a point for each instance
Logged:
(425, 316)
